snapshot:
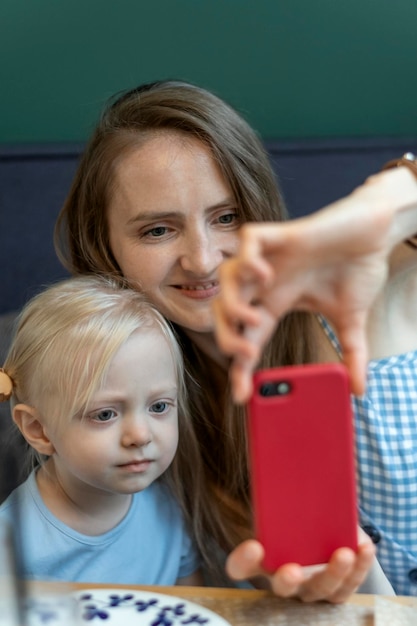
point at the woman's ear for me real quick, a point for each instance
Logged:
(27, 420)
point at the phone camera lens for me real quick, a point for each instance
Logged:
(267, 389)
(281, 388)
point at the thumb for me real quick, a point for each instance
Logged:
(245, 561)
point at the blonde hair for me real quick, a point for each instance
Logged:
(82, 243)
(66, 337)
(64, 342)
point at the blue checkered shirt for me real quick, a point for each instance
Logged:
(386, 451)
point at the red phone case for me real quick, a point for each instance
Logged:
(302, 464)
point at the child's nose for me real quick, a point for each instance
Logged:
(136, 432)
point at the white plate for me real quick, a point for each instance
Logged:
(127, 607)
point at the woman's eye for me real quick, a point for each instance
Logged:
(104, 416)
(159, 407)
(157, 231)
(228, 218)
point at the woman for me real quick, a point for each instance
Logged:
(166, 181)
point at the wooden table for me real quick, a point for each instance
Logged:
(261, 608)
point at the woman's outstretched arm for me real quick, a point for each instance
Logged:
(335, 261)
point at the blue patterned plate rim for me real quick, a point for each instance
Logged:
(132, 607)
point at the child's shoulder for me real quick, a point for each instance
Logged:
(12, 505)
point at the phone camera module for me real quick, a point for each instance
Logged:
(280, 388)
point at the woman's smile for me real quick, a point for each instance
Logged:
(200, 291)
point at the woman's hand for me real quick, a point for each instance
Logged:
(334, 582)
(300, 265)
(334, 261)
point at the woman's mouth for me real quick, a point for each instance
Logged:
(200, 290)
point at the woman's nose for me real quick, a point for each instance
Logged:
(136, 432)
(201, 254)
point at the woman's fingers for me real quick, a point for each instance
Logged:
(334, 582)
(240, 374)
(341, 576)
(354, 345)
(358, 573)
(243, 365)
(246, 560)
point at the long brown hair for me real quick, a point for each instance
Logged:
(82, 243)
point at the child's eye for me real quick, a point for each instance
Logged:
(159, 407)
(104, 416)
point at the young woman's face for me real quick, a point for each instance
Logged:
(172, 221)
(129, 433)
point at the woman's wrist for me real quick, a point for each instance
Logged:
(409, 161)
(387, 201)
(393, 195)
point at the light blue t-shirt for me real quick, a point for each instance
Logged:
(150, 546)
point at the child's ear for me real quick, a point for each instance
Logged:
(27, 420)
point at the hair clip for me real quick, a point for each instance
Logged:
(6, 386)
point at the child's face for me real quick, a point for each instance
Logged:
(129, 434)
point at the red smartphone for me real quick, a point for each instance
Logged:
(301, 442)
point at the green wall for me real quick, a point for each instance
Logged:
(294, 68)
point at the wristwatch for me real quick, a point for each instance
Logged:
(408, 160)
